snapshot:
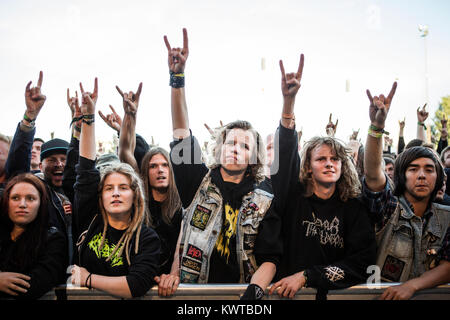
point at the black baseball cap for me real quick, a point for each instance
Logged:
(54, 146)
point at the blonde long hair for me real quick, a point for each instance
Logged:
(138, 212)
(348, 184)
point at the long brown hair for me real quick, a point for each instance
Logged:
(32, 240)
(138, 214)
(348, 184)
(172, 203)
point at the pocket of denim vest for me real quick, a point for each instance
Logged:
(402, 244)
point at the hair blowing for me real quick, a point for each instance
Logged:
(172, 203)
(32, 240)
(348, 184)
(138, 211)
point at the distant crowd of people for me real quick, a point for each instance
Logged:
(269, 212)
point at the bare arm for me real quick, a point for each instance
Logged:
(87, 136)
(264, 275)
(431, 278)
(422, 115)
(177, 61)
(127, 140)
(373, 155)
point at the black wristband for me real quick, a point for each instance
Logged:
(176, 80)
(253, 292)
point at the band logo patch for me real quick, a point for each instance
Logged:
(187, 277)
(392, 268)
(249, 241)
(67, 208)
(191, 264)
(200, 217)
(194, 252)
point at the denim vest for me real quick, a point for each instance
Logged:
(202, 223)
(405, 249)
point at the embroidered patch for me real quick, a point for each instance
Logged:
(187, 277)
(191, 264)
(200, 217)
(334, 273)
(194, 252)
(392, 268)
(67, 208)
(249, 241)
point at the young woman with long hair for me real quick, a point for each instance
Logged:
(118, 252)
(33, 256)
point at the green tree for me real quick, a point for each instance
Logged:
(442, 110)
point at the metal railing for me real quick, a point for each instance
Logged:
(234, 291)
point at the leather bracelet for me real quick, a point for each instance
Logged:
(86, 282)
(288, 116)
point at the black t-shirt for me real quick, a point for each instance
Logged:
(143, 266)
(168, 234)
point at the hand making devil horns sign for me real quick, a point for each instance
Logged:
(178, 56)
(290, 84)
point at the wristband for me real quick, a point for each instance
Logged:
(75, 119)
(31, 121)
(86, 282)
(422, 124)
(176, 80)
(89, 118)
(376, 132)
(253, 292)
(289, 116)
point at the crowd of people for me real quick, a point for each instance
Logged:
(272, 213)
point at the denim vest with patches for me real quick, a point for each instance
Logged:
(202, 223)
(405, 248)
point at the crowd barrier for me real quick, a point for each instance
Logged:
(234, 291)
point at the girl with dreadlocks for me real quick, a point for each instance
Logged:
(118, 253)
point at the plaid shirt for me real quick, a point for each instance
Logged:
(381, 205)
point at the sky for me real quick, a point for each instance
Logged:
(233, 67)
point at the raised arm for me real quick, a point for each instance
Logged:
(286, 165)
(373, 155)
(401, 139)
(443, 140)
(331, 127)
(19, 156)
(127, 140)
(422, 115)
(87, 137)
(177, 61)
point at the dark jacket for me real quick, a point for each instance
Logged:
(47, 272)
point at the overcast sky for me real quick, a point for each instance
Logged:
(349, 46)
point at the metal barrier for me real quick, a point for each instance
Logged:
(234, 291)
